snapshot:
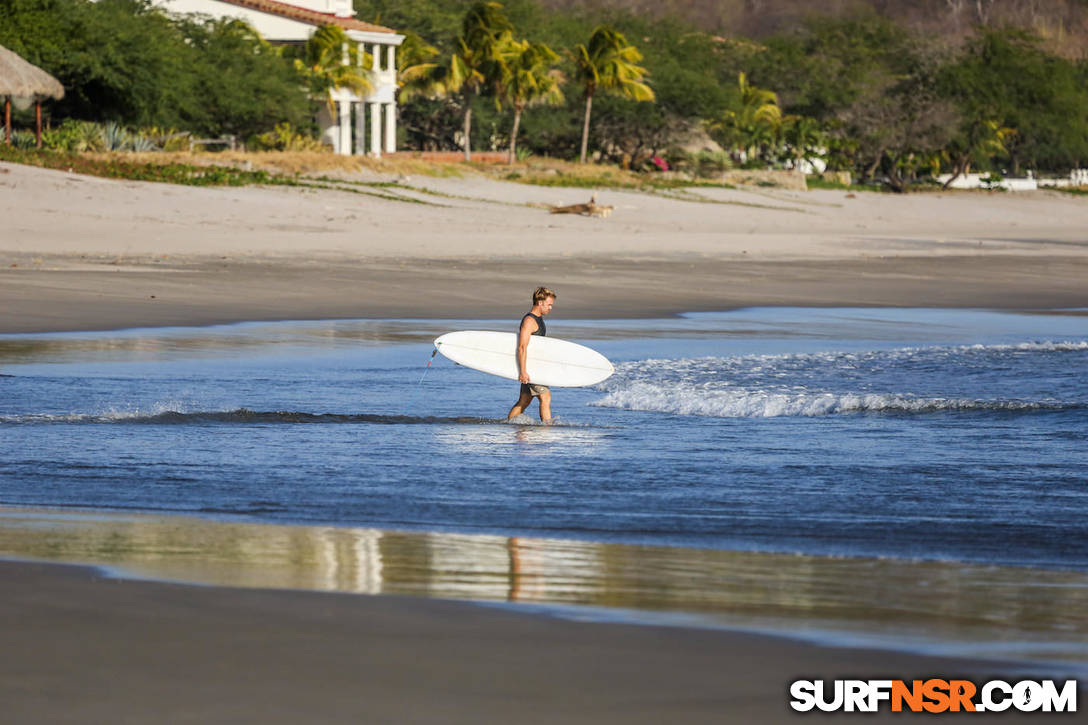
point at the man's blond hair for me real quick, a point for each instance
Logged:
(541, 294)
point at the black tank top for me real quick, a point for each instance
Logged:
(541, 328)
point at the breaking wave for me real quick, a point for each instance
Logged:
(964, 378)
(737, 403)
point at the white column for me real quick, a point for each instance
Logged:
(391, 57)
(376, 53)
(344, 147)
(390, 128)
(375, 129)
(360, 129)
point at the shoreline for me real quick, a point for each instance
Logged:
(804, 598)
(67, 294)
(265, 656)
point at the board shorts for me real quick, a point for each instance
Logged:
(534, 390)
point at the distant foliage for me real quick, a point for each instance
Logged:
(129, 62)
(889, 93)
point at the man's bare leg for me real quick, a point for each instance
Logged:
(546, 407)
(519, 407)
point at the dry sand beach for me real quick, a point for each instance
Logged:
(88, 253)
(82, 253)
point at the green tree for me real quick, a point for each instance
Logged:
(242, 85)
(804, 138)
(416, 67)
(1004, 79)
(485, 45)
(530, 80)
(331, 61)
(978, 142)
(608, 63)
(752, 124)
(127, 61)
(428, 82)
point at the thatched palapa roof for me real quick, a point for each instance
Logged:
(19, 79)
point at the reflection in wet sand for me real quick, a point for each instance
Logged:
(952, 607)
(175, 343)
(157, 344)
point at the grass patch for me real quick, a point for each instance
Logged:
(1074, 190)
(117, 166)
(164, 168)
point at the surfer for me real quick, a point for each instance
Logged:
(533, 324)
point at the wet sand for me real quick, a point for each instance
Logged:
(202, 292)
(87, 649)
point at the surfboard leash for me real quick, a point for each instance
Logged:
(419, 385)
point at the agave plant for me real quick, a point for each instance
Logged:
(139, 142)
(89, 137)
(116, 138)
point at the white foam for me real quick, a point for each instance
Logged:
(741, 403)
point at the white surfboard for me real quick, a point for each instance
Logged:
(551, 361)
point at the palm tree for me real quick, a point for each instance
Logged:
(486, 44)
(805, 139)
(608, 63)
(754, 122)
(530, 80)
(417, 69)
(330, 60)
(980, 141)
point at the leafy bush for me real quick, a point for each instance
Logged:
(75, 136)
(166, 139)
(284, 138)
(24, 139)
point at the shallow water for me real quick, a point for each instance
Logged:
(935, 435)
(905, 433)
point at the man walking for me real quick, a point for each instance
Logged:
(533, 324)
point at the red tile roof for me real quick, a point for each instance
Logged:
(305, 15)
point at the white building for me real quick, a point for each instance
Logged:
(294, 21)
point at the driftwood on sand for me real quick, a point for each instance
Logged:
(590, 209)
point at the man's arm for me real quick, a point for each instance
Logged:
(528, 327)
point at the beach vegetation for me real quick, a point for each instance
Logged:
(130, 62)
(331, 61)
(887, 95)
(117, 167)
(284, 137)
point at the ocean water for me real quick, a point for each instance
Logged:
(929, 436)
(902, 433)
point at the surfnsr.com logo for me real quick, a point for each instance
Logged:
(933, 696)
